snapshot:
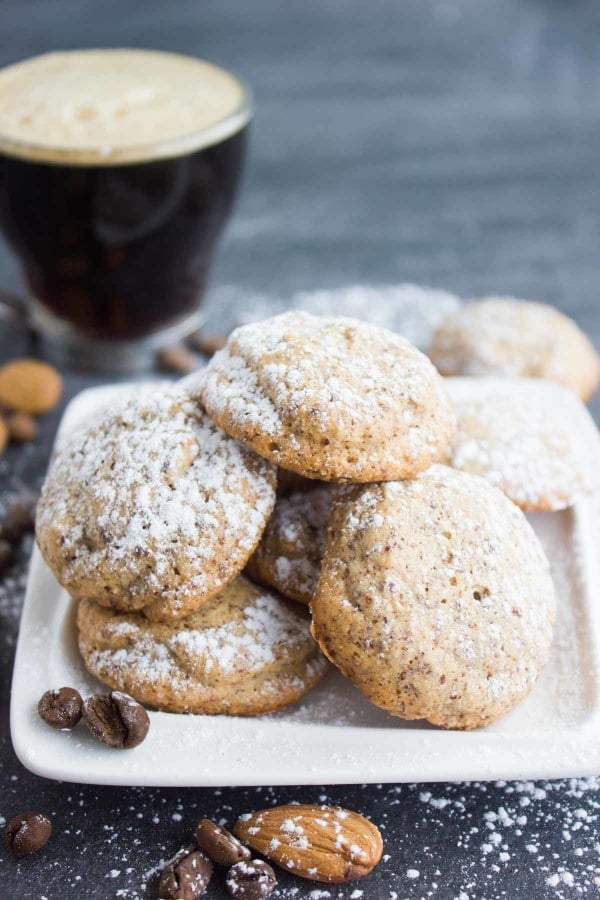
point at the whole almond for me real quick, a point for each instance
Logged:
(29, 386)
(22, 427)
(321, 843)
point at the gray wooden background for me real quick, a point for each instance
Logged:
(453, 143)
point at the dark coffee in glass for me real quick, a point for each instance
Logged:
(119, 252)
(118, 171)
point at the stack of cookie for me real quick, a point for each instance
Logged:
(426, 586)
(147, 518)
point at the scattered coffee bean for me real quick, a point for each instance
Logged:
(251, 880)
(186, 876)
(4, 435)
(61, 708)
(208, 344)
(222, 846)
(27, 833)
(177, 358)
(7, 552)
(22, 427)
(19, 519)
(116, 719)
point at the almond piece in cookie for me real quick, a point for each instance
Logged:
(320, 843)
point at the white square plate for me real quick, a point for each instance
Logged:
(334, 735)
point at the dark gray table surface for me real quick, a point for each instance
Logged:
(452, 143)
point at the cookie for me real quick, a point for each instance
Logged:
(503, 336)
(521, 443)
(435, 598)
(245, 652)
(153, 507)
(331, 399)
(289, 555)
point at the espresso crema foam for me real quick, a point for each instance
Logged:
(110, 107)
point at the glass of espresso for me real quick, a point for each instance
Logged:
(118, 171)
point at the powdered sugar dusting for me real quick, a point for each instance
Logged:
(289, 555)
(244, 634)
(472, 577)
(507, 337)
(540, 837)
(522, 445)
(267, 626)
(355, 398)
(412, 310)
(143, 503)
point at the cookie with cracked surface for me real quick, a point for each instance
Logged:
(153, 507)
(507, 337)
(332, 399)
(521, 443)
(289, 555)
(246, 652)
(435, 598)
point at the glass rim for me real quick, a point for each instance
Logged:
(147, 152)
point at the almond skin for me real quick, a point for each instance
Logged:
(320, 843)
(29, 386)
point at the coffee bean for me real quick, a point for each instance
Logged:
(251, 880)
(177, 359)
(7, 552)
(27, 833)
(208, 344)
(222, 846)
(61, 708)
(18, 519)
(186, 876)
(116, 719)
